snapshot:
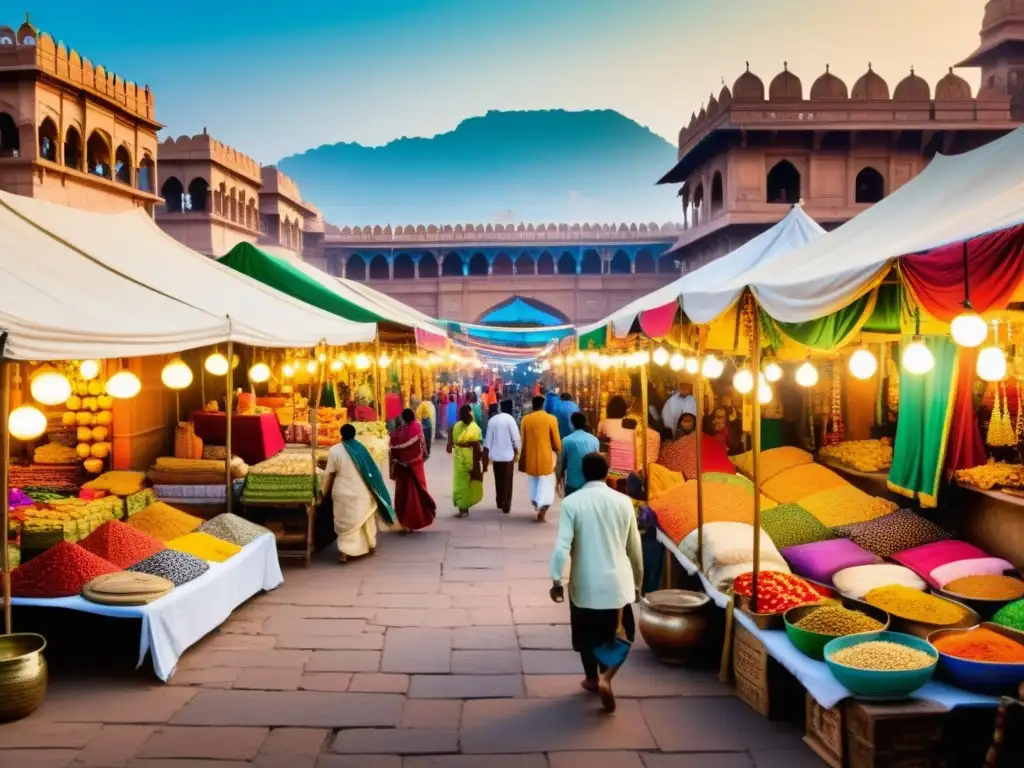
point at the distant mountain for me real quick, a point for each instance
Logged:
(541, 166)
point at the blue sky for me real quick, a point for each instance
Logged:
(276, 78)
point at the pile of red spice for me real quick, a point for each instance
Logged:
(776, 592)
(121, 544)
(60, 571)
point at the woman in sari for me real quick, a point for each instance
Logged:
(415, 507)
(464, 441)
(680, 455)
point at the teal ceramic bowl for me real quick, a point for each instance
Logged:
(881, 684)
(813, 644)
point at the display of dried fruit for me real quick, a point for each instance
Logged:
(994, 474)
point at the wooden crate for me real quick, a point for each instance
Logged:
(823, 731)
(750, 667)
(899, 735)
(861, 754)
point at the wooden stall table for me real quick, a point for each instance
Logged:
(254, 438)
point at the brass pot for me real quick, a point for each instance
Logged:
(673, 623)
(22, 675)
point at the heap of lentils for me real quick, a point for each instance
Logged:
(883, 656)
(912, 605)
(60, 571)
(838, 621)
(164, 522)
(234, 529)
(121, 544)
(987, 587)
(1011, 615)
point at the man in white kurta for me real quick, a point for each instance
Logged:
(681, 402)
(355, 508)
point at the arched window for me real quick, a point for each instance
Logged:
(784, 183)
(698, 204)
(452, 265)
(645, 262)
(502, 265)
(591, 264)
(73, 149)
(428, 265)
(379, 268)
(97, 156)
(545, 264)
(717, 194)
(869, 186)
(478, 265)
(48, 140)
(233, 212)
(252, 217)
(405, 267)
(620, 264)
(10, 141)
(355, 268)
(172, 192)
(123, 166)
(144, 177)
(567, 264)
(525, 265)
(667, 264)
(199, 194)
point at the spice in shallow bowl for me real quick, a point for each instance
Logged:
(811, 627)
(918, 613)
(984, 593)
(988, 658)
(881, 665)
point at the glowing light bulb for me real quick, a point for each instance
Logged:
(991, 364)
(677, 362)
(216, 364)
(259, 373)
(362, 362)
(807, 375)
(558, 360)
(384, 361)
(176, 374)
(311, 367)
(917, 358)
(336, 365)
(692, 365)
(89, 369)
(863, 364)
(594, 358)
(968, 329)
(26, 422)
(764, 393)
(772, 372)
(125, 385)
(322, 358)
(743, 381)
(50, 387)
(288, 370)
(661, 356)
(712, 367)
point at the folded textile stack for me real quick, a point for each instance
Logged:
(171, 471)
(54, 478)
(196, 494)
(68, 520)
(287, 477)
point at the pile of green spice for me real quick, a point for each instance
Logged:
(838, 621)
(1011, 615)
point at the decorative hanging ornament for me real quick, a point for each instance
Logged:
(807, 375)
(176, 374)
(991, 364)
(259, 373)
(49, 386)
(26, 422)
(917, 358)
(216, 364)
(863, 364)
(773, 372)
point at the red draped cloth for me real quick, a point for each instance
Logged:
(964, 447)
(995, 263)
(413, 504)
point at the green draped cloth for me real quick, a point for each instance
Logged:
(824, 333)
(373, 478)
(926, 406)
(596, 339)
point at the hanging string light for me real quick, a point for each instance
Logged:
(362, 362)
(807, 375)
(26, 422)
(968, 328)
(917, 358)
(743, 381)
(125, 385)
(692, 365)
(49, 386)
(216, 364)
(176, 374)
(863, 364)
(991, 364)
(311, 367)
(712, 367)
(661, 356)
(89, 369)
(677, 362)
(764, 391)
(773, 372)
(259, 373)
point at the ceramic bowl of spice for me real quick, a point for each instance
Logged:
(811, 627)
(988, 658)
(918, 613)
(881, 665)
(985, 593)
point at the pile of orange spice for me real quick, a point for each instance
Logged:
(987, 587)
(981, 645)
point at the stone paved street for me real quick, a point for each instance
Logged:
(441, 650)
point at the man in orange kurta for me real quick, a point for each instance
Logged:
(541, 444)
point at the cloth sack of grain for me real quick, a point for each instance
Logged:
(895, 532)
(676, 509)
(858, 580)
(727, 545)
(794, 483)
(773, 461)
(790, 524)
(187, 445)
(845, 505)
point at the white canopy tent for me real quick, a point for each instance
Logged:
(134, 247)
(954, 199)
(796, 229)
(56, 304)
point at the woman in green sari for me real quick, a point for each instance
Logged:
(464, 441)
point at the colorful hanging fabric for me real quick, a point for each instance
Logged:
(964, 448)
(833, 330)
(926, 407)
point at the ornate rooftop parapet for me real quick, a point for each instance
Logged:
(501, 233)
(202, 146)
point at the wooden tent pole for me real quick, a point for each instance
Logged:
(755, 432)
(377, 389)
(643, 420)
(5, 459)
(700, 449)
(229, 386)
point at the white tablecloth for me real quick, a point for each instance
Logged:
(173, 623)
(814, 675)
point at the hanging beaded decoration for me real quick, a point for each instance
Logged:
(1000, 428)
(836, 431)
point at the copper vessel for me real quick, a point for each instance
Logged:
(673, 623)
(22, 675)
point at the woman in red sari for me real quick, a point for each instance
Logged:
(413, 504)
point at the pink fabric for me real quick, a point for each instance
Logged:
(432, 341)
(925, 559)
(253, 438)
(392, 406)
(658, 322)
(820, 560)
(978, 566)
